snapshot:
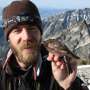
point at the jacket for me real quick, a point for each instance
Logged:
(13, 78)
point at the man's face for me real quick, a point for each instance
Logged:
(25, 43)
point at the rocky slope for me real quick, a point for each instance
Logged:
(84, 74)
(73, 27)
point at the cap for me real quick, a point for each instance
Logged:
(18, 12)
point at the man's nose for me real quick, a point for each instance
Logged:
(26, 35)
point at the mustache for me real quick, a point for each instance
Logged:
(28, 44)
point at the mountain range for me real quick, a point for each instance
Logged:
(71, 26)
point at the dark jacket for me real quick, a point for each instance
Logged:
(13, 78)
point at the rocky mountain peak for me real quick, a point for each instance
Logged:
(72, 27)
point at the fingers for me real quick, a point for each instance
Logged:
(50, 57)
(57, 68)
(59, 62)
(55, 59)
(53, 56)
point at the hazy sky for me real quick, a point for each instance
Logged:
(62, 4)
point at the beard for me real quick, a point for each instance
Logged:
(24, 55)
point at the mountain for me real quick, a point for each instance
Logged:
(1, 32)
(0, 11)
(45, 12)
(73, 28)
(70, 26)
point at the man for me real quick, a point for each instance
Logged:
(25, 67)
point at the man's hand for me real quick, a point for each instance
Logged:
(59, 70)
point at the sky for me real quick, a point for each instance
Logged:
(58, 4)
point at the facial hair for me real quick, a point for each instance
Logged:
(26, 58)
